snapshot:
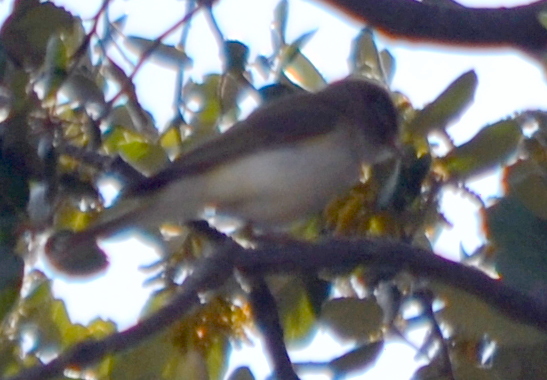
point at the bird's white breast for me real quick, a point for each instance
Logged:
(279, 186)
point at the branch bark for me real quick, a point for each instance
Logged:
(334, 254)
(436, 22)
(212, 272)
(267, 319)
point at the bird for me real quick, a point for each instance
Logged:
(281, 164)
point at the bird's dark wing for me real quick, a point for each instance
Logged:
(266, 128)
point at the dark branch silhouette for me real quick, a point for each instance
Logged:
(212, 272)
(422, 263)
(516, 27)
(267, 319)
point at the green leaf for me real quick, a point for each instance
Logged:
(84, 91)
(216, 358)
(194, 348)
(54, 330)
(10, 363)
(520, 362)
(231, 86)
(279, 24)
(37, 310)
(163, 54)
(236, 55)
(365, 58)
(542, 18)
(528, 183)
(134, 120)
(14, 188)
(296, 312)
(70, 217)
(241, 373)
(26, 32)
(352, 318)
(171, 140)
(491, 146)
(56, 67)
(298, 68)
(447, 107)
(234, 78)
(146, 157)
(388, 65)
(205, 120)
(119, 135)
(3, 60)
(473, 319)
(413, 172)
(11, 279)
(148, 360)
(357, 359)
(521, 241)
(190, 365)
(431, 371)
(317, 289)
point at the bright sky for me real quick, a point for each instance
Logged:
(507, 83)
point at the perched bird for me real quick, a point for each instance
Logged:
(284, 162)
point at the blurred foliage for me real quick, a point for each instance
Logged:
(59, 135)
(41, 320)
(196, 347)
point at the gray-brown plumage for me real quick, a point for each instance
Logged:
(281, 164)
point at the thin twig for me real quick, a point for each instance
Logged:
(178, 101)
(426, 299)
(148, 52)
(267, 319)
(80, 52)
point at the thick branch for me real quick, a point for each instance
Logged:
(436, 22)
(300, 257)
(334, 254)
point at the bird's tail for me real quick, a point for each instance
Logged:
(77, 253)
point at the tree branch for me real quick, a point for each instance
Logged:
(212, 272)
(338, 254)
(267, 319)
(436, 22)
(209, 273)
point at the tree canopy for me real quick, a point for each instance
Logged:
(363, 270)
